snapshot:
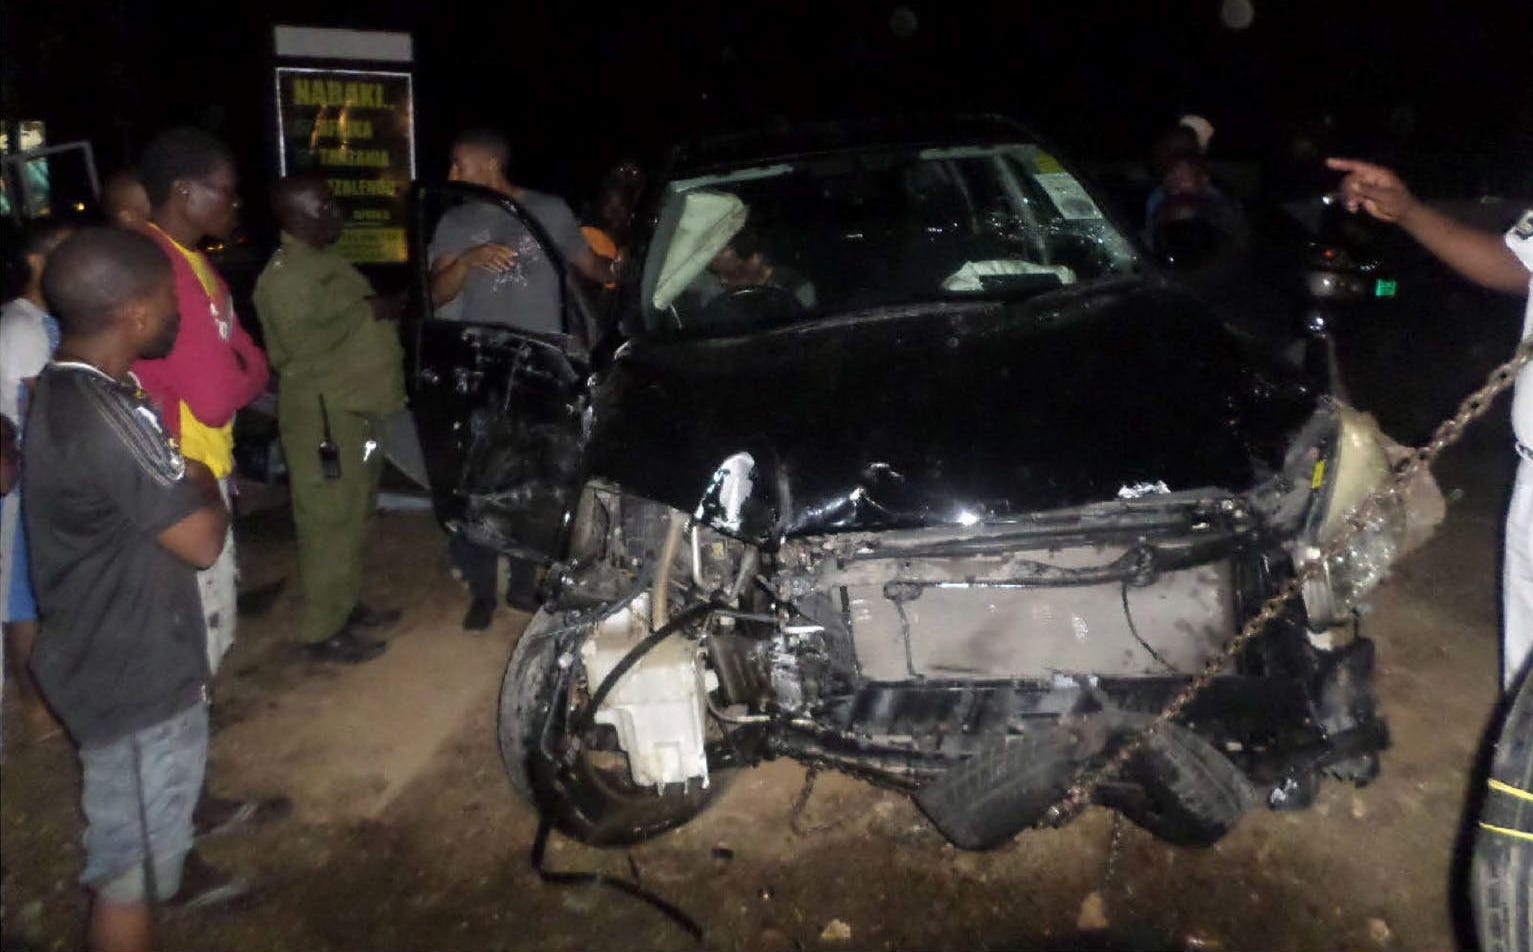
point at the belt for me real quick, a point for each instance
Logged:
(1525, 452)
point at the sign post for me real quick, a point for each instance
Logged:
(353, 124)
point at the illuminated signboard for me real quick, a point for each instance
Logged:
(357, 129)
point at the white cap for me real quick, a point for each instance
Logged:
(1200, 127)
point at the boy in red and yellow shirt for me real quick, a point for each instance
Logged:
(215, 367)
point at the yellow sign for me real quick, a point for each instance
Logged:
(357, 129)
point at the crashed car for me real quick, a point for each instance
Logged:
(898, 458)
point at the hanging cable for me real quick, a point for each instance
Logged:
(1133, 630)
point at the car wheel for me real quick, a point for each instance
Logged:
(594, 800)
(1003, 788)
(1501, 871)
(1193, 794)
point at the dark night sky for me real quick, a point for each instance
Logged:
(578, 88)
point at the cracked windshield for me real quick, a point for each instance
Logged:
(763, 247)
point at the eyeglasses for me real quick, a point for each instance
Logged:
(228, 192)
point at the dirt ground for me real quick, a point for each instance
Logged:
(407, 836)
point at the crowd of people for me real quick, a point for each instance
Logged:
(124, 364)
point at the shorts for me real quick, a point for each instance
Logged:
(16, 600)
(119, 797)
(217, 586)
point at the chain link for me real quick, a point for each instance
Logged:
(1114, 856)
(796, 818)
(814, 766)
(1474, 406)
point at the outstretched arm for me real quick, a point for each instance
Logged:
(1480, 256)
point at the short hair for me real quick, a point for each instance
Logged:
(42, 235)
(181, 153)
(115, 190)
(284, 194)
(97, 271)
(491, 141)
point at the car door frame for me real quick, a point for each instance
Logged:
(479, 353)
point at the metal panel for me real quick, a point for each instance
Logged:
(965, 630)
(307, 42)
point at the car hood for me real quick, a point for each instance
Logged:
(945, 414)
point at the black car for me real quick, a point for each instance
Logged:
(895, 456)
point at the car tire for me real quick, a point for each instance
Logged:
(525, 696)
(1194, 794)
(588, 801)
(1003, 788)
(1501, 869)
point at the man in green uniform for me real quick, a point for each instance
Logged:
(331, 340)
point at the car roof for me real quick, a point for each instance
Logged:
(786, 141)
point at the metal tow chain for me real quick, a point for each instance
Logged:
(818, 765)
(1474, 406)
(796, 817)
(1110, 871)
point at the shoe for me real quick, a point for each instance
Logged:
(366, 617)
(204, 886)
(345, 647)
(479, 613)
(215, 816)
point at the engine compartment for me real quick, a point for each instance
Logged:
(864, 642)
(1122, 592)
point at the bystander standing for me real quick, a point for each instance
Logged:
(121, 522)
(488, 268)
(1501, 263)
(336, 350)
(1502, 864)
(28, 336)
(214, 369)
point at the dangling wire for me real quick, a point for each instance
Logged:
(554, 878)
(1133, 630)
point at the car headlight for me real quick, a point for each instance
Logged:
(1355, 468)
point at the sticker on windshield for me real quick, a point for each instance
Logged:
(1046, 164)
(1068, 195)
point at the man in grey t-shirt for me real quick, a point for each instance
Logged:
(486, 266)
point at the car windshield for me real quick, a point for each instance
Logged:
(762, 247)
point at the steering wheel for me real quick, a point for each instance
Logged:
(748, 308)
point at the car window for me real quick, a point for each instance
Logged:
(761, 247)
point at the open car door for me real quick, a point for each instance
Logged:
(498, 408)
